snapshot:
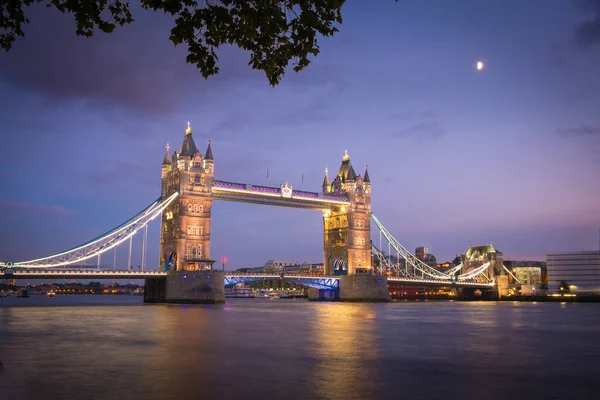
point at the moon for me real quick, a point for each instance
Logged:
(480, 66)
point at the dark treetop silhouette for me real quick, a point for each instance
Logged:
(275, 32)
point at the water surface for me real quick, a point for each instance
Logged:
(114, 347)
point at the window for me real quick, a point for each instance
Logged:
(359, 223)
(359, 241)
(189, 250)
(195, 208)
(193, 250)
(198, 178)
(194, 230)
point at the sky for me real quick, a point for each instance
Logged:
(508, 155)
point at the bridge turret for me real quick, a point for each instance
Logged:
(367, 181)
(187, 151)
(326, 183)
(166, 164)
(209, 161)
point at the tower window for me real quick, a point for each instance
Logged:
(195, 208)
(194, 230)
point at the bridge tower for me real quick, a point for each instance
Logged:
(347, 231)
(185, 226)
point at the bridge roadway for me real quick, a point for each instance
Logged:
(320, 281)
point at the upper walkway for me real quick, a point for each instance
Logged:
(283, 196)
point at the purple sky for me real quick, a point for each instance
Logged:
(509, 155)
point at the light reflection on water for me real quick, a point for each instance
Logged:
(292, 349)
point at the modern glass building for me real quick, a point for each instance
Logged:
(581, 270)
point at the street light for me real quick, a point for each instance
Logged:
(223, 262)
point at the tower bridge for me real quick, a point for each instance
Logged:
(354, 268)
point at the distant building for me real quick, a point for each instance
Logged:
(11, 282)
(271, 266)
(445, 266)
(278, 265)
(304, 268)
(580, 269)
(430, 260)
(421, 252)
(527, 272)
(477, 256)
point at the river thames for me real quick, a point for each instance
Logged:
(114, 347)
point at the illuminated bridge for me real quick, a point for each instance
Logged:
(352, 258)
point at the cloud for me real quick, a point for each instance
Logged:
(120, 171)
(588, 32)
(28, 208)
(581, 131)
(427, 128)
(136, 66)
(558, 55)
(232, 126)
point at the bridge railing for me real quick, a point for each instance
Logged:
(308, 274)
(29, 271)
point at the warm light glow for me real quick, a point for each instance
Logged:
(480, 65)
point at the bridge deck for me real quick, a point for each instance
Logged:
(231, 278)
(82, 274)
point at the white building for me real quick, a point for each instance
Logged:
(581, 270)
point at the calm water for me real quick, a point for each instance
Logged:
(113, 347)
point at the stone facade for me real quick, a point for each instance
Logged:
(186, 287)
(347, 230)
(476, 256)
(185, 226)
(364, 288)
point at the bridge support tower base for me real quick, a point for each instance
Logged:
(355, 288)
(186, 287)
(364, 288)
(501, 287)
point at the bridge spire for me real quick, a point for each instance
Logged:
(167, 159)
(208, 155)
(326, 183)
(188, 147)
(366, 177)
(346, 156)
